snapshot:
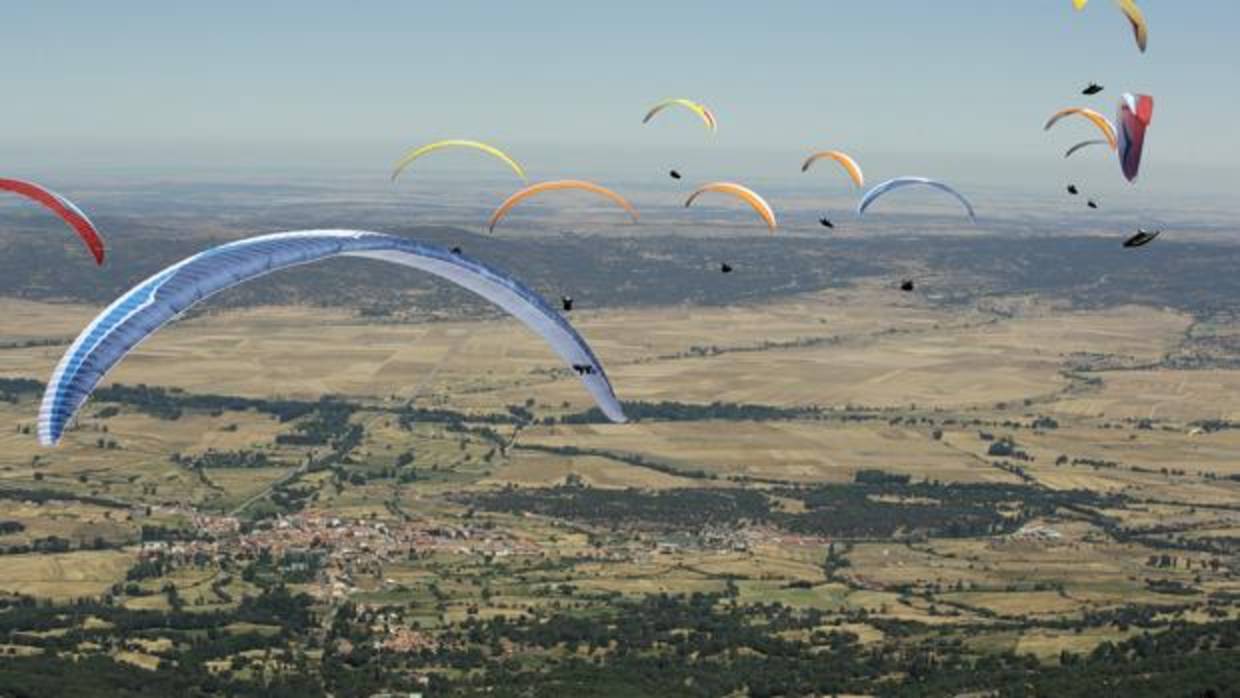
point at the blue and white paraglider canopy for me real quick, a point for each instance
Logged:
(151, 304)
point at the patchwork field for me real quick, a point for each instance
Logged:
(868, 348)
(836, 348)
(1013, 395)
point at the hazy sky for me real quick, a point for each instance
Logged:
(939, 85)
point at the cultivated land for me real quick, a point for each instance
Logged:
(868, 351)
(994, 475)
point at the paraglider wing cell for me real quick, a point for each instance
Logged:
(62, 207)
(140, 312)
(901, 182)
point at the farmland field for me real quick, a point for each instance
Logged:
(1022, 473)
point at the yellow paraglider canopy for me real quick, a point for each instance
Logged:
(457, 143)
(1140, 30)
(703, 112)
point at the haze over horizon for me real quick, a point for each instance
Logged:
(950, 90)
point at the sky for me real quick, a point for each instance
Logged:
(937, 87)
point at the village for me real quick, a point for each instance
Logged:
(333, 555)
